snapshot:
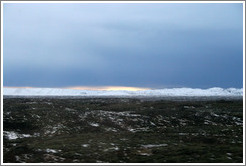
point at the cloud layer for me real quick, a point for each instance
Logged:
(140, 45)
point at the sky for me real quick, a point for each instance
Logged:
(197, 45)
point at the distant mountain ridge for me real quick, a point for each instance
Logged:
(216, 91)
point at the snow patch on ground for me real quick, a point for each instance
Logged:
(94, 124)
(51, 151)
(11, 135)
(85, 145)
(153, 146)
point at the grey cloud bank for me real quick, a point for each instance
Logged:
(143, 45)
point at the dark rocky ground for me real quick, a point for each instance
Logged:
(83, 130)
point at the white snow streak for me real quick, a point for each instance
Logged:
(158, 92)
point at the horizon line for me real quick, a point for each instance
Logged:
(113, 88)
(107, 88)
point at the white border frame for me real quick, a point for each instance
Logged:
(5, 2)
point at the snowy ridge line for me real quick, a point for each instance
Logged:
(157, 92)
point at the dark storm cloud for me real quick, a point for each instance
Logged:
(149, 45)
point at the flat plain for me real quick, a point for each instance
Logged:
(122, 130)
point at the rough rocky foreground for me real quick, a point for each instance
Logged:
(86, 130)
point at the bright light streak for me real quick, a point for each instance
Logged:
(108, 88)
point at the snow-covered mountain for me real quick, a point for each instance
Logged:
(158, 92)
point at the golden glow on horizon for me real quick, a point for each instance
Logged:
(107, 88)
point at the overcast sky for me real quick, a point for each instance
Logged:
(140, 45)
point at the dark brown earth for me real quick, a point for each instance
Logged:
(92, 130)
